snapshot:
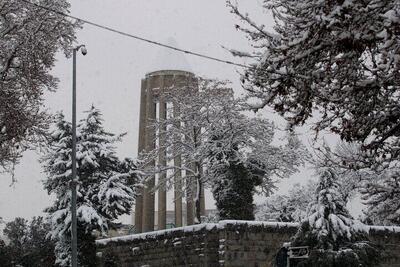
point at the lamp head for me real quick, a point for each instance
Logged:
(84, 50)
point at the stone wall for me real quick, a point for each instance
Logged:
(252, 244)
(389, 239)
(227, 243)
(184, 246)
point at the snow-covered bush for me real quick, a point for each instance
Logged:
(334, 237)
(212, 217)
(287, 208)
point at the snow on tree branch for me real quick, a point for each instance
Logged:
(337, 59)
(29, 40)
(209, 133)
(106, 186)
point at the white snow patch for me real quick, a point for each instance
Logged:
(135, 250)
(192, 228)
(395, 229)
(222, 224)
(177, 243)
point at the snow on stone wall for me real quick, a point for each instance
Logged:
(194, 228)
(227, 243)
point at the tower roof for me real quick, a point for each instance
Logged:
(168, 59)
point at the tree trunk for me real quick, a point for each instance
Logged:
(198, 195)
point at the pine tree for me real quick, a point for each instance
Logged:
(105, 188)
(379, 187)
(335, 238)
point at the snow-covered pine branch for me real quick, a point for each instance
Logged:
(333, 236)
(106, 186)
(379, 187)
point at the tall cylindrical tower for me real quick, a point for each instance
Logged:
(153, 105)
(170, 71)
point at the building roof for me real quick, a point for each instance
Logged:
(168, 59)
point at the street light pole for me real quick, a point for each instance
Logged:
(74, 234)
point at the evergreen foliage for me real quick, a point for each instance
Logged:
(334, 237)
(379, 187)
(233, 192)
(105, 186)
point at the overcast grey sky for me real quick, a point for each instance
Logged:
(109, 76)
